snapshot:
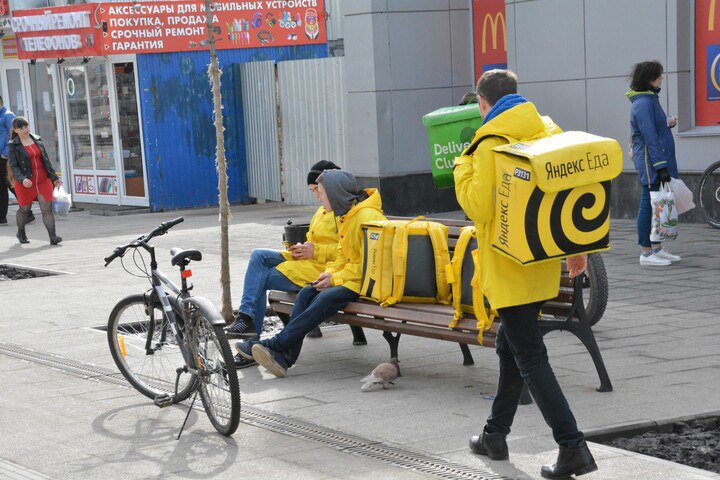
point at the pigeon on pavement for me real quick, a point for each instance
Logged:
(384, 374)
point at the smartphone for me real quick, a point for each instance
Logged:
(310, 283)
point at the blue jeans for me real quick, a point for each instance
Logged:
(644, 218)
(523, 357)
(261, 276)
(312, 307)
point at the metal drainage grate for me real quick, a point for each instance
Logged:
(21, 272)
(348, 443)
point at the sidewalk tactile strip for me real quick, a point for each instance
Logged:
(13, 471)
(356, 445)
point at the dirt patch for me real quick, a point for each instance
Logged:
(695, 443)
(8, 272)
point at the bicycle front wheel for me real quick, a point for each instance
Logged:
(709, 195)
(217, 376)
(145, 349)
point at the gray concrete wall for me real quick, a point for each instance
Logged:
(404, 58)
(578, 71)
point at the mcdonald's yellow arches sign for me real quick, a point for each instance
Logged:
(489, 35)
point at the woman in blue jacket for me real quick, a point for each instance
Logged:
(653, 151)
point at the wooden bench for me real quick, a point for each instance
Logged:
(565, 312)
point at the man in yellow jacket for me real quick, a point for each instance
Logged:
(517, 292)
(288, 270)
(338, 285)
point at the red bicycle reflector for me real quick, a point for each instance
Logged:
(186, 274)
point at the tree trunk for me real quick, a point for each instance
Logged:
(214, 74)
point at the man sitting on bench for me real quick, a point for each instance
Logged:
(338, 285)
(287, 270)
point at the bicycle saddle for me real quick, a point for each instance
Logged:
(179, 256)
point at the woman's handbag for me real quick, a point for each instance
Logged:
(683, 196)
(664, 214)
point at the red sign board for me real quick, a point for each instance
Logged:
(489, 35)
(166, 26)
(67, 31)
(9, 48)
(176, 26)
(707, 63)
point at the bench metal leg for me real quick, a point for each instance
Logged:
(358, 336)
(393, 341)
(584, 332)
(284, 318)
(467, 356)
(525, 398)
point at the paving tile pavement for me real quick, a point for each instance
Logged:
(658, 337)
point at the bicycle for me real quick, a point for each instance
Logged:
(708, 194)
(171, 345)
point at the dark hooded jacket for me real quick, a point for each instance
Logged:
(352, 207)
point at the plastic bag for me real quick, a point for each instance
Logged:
(664, 215)
(61, 202)
(683, 196)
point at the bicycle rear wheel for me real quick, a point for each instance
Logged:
(709, 195)
(145, 349)
(217, 376)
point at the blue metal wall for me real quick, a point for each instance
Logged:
(179, 137)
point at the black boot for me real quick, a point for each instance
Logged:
(570, 461)
(22, 237)
(492, 445)
(54, 239)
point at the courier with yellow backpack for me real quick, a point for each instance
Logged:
(537, 195)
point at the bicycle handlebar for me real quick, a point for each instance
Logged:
(160, 230)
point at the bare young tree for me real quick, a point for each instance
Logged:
(214, 74)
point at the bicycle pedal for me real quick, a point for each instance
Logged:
(163, 400)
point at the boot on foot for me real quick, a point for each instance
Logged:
(492, 445)
(22, 237)
(54, 239)
(570, 461)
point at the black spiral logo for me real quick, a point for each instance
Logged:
(574, 232)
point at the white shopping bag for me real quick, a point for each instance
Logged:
(683, 196)
(664, 215)
(61, 202)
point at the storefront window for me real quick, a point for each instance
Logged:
(100, 114)
(43, 103)
(129, 126)
(80, 143)
(15, 101)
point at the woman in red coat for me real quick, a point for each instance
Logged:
(34, 177)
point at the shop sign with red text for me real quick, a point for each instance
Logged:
(67, 31)
(9, 48)
(489, 35)
(176, 26)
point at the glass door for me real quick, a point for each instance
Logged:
(91, 146)
(42, 100)
(129, 139)
(14, 97)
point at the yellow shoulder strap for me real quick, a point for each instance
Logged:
(442, 258)
(466, 234)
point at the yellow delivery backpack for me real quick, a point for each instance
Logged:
(552, 196)
(395, 250)
(467, 295)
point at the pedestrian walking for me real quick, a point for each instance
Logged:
(516, 291)
(653, 152)
(34, 178)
